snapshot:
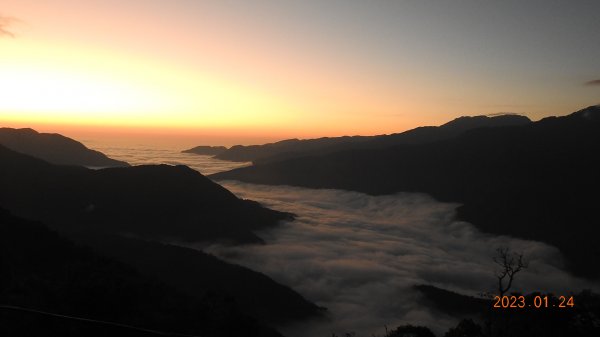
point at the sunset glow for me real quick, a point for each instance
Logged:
(184, 65)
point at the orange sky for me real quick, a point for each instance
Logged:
(270, 70)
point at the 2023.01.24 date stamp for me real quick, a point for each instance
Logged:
(536, 302)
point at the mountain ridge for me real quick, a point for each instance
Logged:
(55, 148)
(206, 150)
(290, 148)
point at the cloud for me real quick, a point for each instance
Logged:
(360, 256)
(593, 83)
(504, 114)
(5, 23)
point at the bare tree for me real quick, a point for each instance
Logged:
(510, 264)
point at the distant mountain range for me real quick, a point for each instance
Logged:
(259, 154)
(206, 150)
(55, 148)
(531, 180)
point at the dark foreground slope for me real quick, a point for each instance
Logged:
(55, 148)
(150, 201)
(290, 148)
(532, 181)
(43, 271)
(196, 273)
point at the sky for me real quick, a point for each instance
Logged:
(250, 71)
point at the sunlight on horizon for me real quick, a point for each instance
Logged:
(85, 87)
(330, 70)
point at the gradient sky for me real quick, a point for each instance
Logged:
(281, 69)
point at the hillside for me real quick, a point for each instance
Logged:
(55, 148)
(197, 274)
(43, 271)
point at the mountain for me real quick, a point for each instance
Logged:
(452, 303)
(197, 274)
(532, 181)
(41, 271)
(290, 148)
(206, 150)
(156, 202)
(55, 148)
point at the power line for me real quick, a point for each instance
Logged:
(89, 320)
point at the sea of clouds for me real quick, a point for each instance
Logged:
(361, 255)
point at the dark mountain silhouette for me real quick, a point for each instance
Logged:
(206, 150)
(196, 273)
(149, 201)
(290, 148)
(55, 148)
(531, 181)
(452, 303)
(285, 148)
(43, 271)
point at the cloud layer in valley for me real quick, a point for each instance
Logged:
(360, 255)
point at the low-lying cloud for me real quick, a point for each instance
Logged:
(152, 156)
(495, 114)
(360, 256)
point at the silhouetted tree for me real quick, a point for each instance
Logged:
(465, 328)
(411, 331)
(510, 264)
